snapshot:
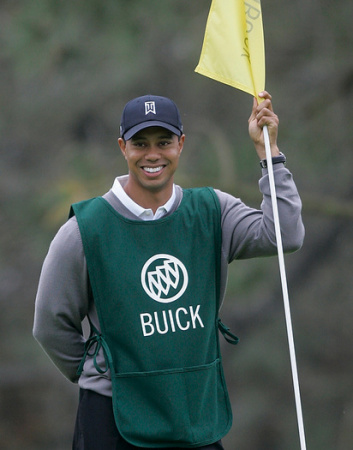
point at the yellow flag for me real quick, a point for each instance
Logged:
(233, 48)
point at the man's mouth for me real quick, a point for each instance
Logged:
(153, 169)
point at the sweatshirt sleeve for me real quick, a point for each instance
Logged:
(249, 232)
(63, 300)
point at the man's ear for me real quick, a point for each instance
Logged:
(122, 145)
(181, 143)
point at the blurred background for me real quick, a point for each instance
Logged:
(66, 70)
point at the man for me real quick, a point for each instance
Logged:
(147, 264)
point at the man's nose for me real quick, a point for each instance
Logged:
(153, 153)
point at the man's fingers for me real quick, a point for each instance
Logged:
(254, 110)
(269, 121)
(265, 95)
(266, 104)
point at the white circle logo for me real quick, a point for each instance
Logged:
(164, 278)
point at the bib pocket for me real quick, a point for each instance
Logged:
(186, 407)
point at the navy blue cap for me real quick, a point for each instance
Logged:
(150, 111)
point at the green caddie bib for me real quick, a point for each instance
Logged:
(156, 289)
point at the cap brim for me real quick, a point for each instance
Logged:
(151, 123)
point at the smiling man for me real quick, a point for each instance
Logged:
(146, 263)
(152, 157)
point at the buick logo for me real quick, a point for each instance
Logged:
(164, 278)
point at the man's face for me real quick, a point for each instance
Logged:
(152, 156)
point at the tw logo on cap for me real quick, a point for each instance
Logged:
(150, 107)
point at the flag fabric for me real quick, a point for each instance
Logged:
(233, 50)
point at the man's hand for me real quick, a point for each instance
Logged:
(262, 114)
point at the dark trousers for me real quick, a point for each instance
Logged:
(95, 427)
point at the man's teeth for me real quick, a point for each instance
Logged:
(153, 169)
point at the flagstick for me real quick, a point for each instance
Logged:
(285, 291)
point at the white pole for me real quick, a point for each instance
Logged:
(285, 291)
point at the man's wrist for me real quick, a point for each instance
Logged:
(275, 160)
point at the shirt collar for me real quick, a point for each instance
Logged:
(136, 209)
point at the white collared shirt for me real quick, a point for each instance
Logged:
(137, 210)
